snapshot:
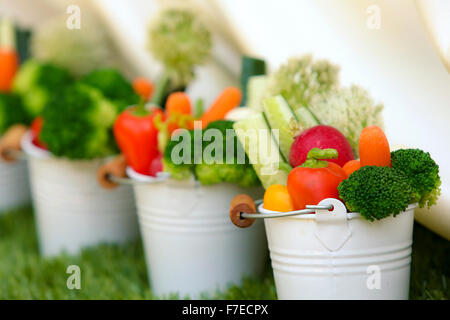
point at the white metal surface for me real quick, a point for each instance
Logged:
(72, 211)
(190, 245)
(14, 188)
(335, 255)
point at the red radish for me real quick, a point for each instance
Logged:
(156, 165)
(322, 137)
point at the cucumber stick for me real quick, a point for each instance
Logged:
(262, 150)
(306, 118)
(251, 66)
(281, 116)
(256, 87)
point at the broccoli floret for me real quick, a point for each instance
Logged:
(78, 123)
(11, 111)
(179, 171)
(113, 86)
(300, 79)
(242, 174)
(37, 82)
(422, 172)
(376, 192)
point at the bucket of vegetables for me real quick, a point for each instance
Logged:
(344, 233)
(14, 189)
(190, 247)
(68, 141)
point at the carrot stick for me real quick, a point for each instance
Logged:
(229, 99)
(351, 167)
(143, 87)
(9, 58)
(178, 102)
(374, 148)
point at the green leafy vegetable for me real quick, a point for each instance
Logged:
(78, 123)
(37, 82)
(422, 172)
(11, 112)
(208, 171)
(376, 192)
(113, 86)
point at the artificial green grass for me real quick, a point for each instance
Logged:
(119, 272)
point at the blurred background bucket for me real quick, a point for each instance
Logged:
(190, 245)
(339, 255)
(14, 188)
(72, 211)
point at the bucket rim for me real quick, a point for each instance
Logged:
(311, 216)
(32, 150)
(142, 178)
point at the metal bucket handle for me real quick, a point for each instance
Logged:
(331, 220)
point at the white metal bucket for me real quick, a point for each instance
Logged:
(190, 245)
(14, 187)
(72, 211)
(339, 255)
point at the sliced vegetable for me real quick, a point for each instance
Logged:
(250, 67)
(143, 87)
(136, 136)
(9, 58)
(351, 167)
(35, 129)
(281, 117)
(229, 99)
(255, 135)
(374, 147)
(256, 90)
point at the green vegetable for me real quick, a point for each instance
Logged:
(349, 110)
(250, 67)
(206, 170)
(280, 116)
(180, 41)
(422, 172)
(113, 86)
(255, 133)
(11, 112)
(37, 82)
(78, 123)
(376, 192)
(300, 79)
(256, 90)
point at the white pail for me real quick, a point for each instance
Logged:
(190, 245)
(339, 255)
(14, 188)
(72, 211)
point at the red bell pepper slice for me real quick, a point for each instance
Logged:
(137, 138)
